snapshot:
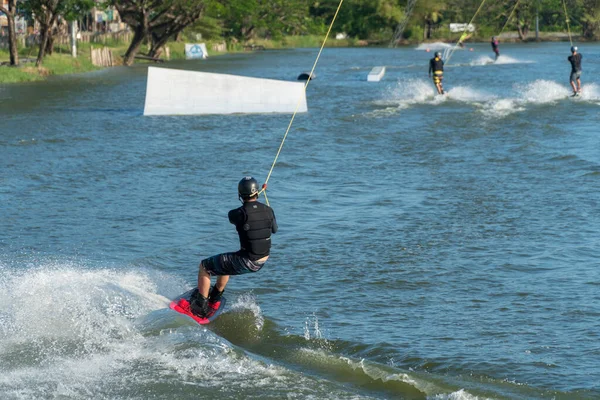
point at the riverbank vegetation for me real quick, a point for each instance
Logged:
(376, 20)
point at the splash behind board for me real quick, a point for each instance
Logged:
(181, 304)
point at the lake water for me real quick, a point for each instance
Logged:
(429, 247)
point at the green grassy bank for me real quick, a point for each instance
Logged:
(61, 62)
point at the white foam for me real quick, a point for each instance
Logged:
(459, 395)
(467, 94)
(317, 334)
(487, 60)
(502, 108)
(413, 92)
(407, 93)
(247, 301)
(509, 60)
(70, 331)
(483, 60)
(542, 91)
(590, 92)
(433, 46)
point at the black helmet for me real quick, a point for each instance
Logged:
(248, 187)
(573, 49)
(438, 54)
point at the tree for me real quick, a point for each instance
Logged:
(523, 19)
(47, 12)
(182, 14)
(10, 13)
(247, 19)
(591, 19)
(156, 19)
(241, 18)
(432, 18)
(362, 18)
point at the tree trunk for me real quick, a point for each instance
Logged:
(12, 40)
(139, 36)
(43, 44)
(523, 31)
(155, 49)
(159, 41)
(522, 26)
(50, 44)
(12, 32)
(591, 19)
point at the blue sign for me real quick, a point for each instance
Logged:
(196, 51)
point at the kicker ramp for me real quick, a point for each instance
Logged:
(180, 92)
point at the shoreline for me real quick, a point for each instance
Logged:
(62, 63)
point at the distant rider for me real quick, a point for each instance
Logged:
(495, 47)
(575, 60)
(436, 65)
(254, 222)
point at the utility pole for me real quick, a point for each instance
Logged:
(537, 22)
(74, 38)
(537, 26)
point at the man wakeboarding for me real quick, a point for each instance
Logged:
(575, 60)
(495, 46)
(436, 65)
(254, 222)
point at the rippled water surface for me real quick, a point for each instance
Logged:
(429, 247)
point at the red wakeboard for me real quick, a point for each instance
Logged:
(182, 305)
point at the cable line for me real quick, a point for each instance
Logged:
(410, 5)
(464, 34)
(509, 16)
(264, 186)
(567, 20)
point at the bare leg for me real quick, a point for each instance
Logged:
(573, 86)
(222, 282)
(203, 281)
(578, 85)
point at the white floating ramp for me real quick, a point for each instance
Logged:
(180, 92)
(376, 74)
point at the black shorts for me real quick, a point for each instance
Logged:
(574, 76)
(230, 264)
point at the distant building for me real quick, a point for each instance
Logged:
(3, 19)
(102, 19)
(20, 22)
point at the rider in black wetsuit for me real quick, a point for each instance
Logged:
(575, 60)
(495, 47)
(436, 65)
(254, 222)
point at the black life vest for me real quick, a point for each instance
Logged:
(437, 64)
(255, 229)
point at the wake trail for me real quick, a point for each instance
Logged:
(414, 92)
